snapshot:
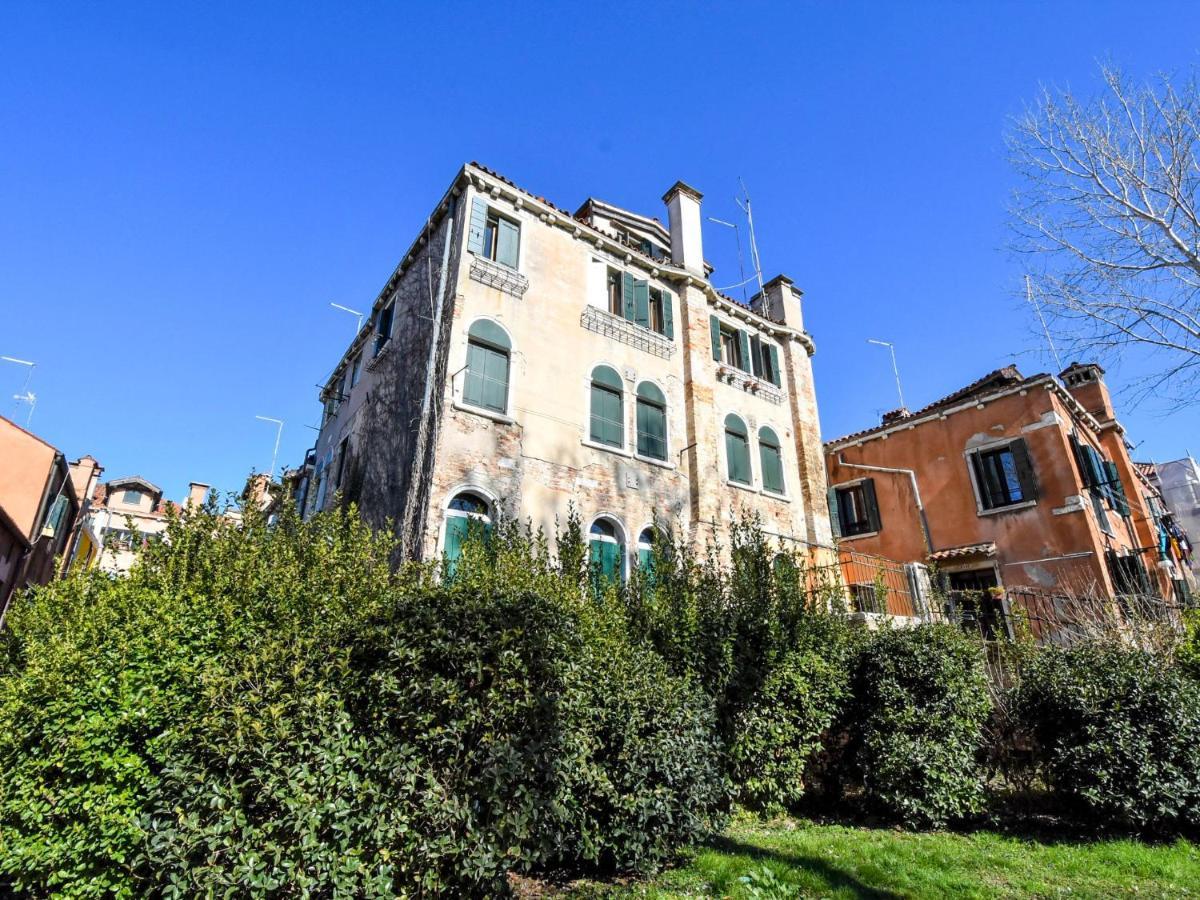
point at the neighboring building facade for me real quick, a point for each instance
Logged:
(1011, 482)
(38, 510)
(124, 513)
(1179, 482)
(523, 359)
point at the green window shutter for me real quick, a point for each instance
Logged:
(476, 369)
(641, 303)
(744, 343)
(1117, 494)
(607, 427)
(508, 242)
(627, 294)
(487, 378)
(738, 452)
(457, 528)
(668, 315)
(714, 327)
(756, 359)
(478, 223)
(776, 375)
(651, 430)
(772, 468)
(868, 487)
(835, 515)
(645, 560)
(606, 560)
(1024, 467)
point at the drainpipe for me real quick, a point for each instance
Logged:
(912, 477)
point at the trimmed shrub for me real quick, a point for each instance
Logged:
(776, 738)
(916, 724)
(265, 709)
(1116, 733)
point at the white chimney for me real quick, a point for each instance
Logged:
(197, 493)
(683, 211)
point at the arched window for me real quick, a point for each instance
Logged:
(607, 550)
(651, 421)
(737, 450)
(487, 366)
(465, 508)
(770, 458)
(608, 416)
(645, 548)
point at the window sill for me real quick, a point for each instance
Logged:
(775, 496)
(484, 413)
(1012, 507)
(749, 488)
(661, 463)
(604, 323)
(607, 448)
(375, 361)
(749, 382)
(855, 537)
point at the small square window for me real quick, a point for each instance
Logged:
(1003, 475)
(857, 508)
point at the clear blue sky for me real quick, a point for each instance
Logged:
(183, 191)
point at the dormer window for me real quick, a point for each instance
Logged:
(132, 497)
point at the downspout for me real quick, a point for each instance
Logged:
(912, 477)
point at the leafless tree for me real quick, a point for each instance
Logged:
(1107, 213)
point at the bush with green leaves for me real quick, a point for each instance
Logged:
(777, 737)
(264, 709)
(916, 724)
(1117, 735)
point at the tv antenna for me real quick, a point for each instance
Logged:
(741, 262)
(26, 395)
(278, 435)
(353, 312)
(745, 207)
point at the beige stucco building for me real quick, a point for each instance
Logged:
(124, 513)
(524, 359)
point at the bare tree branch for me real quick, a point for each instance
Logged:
(1108, 221)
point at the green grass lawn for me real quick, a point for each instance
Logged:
(802, 859)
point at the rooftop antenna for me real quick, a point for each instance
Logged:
(745, 207)
(1033, 302)
(741, 262)
(895, 368)
(278, 435)
(26, 395)
(353, 312)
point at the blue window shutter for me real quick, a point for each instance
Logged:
(714, 327)
(507, 243)
(479, 212)
(776, 375)
(668, 315)
(641, 303)
(627, 291)
(744, 342)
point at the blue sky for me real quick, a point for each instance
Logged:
(184, 190)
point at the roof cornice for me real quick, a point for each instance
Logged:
(1047, 382)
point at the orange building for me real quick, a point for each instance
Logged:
(1008, 483)
(40, 501)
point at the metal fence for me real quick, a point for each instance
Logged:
(878, 590)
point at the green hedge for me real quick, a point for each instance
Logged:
(778, 735)
(1117, 734)
(264, 709)
(916, 724)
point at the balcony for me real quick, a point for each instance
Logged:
(603, 322)
(500, 277)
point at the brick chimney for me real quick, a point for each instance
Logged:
(780, 302)
(85, 472)
(683, 214)
(197, 493)
(1085, 382)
